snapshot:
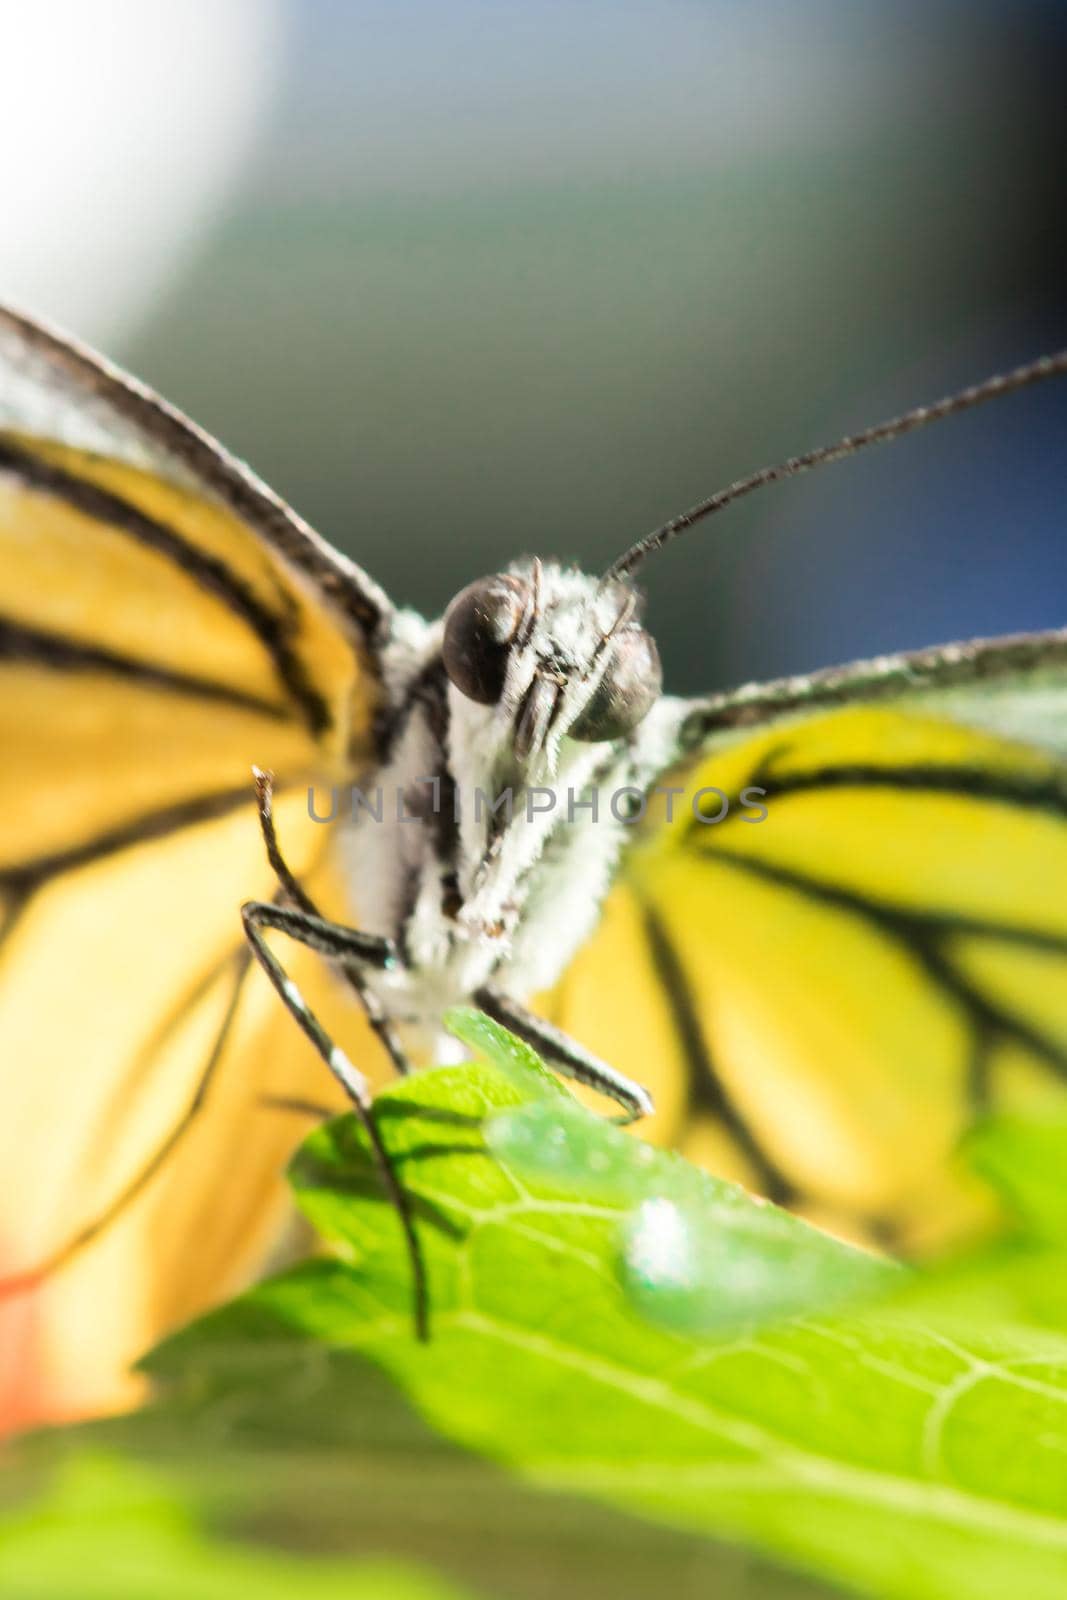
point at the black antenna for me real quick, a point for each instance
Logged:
(1005, 383)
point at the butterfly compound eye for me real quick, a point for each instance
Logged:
(480, 625)
(626, 693)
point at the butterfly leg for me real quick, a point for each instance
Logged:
(566, 1055)
(350, 947)
(364, 950)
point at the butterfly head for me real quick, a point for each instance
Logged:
(554, 653)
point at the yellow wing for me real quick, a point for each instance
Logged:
(164, 624)
(822, 1001)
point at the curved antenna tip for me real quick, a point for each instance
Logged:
(1004, 383)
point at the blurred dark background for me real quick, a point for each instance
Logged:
(468, 278)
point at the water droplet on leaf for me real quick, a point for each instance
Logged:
(697, 1266)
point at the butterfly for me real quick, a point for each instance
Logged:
(818, 925)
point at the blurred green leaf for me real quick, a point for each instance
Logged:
(1025, 1158)
(281, 1444)
(913, 1447)
(109, 1531)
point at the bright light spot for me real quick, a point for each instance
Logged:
(121, 130)
(659, 1248)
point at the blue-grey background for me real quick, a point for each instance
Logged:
(495, 276)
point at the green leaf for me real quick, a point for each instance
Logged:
(511, 1056)
(1024, 1158)
(108, 1531)
(559, 1169)
(289, 1440)
(913, 1447)
(284, 1447)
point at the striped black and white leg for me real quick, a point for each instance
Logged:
(364, 950)
(348, 946)
(566, 1055)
